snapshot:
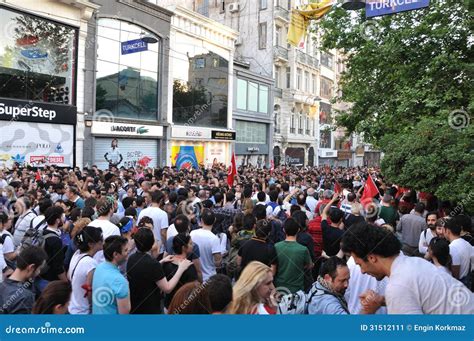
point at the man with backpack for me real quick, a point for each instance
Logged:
(39, 222)
(52, 244)
(25, 215)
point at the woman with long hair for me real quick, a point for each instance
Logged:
(438, 249)
(252, 292)
(191, 298)
(54, 299)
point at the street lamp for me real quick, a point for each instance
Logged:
(353, 5)
(148, 38)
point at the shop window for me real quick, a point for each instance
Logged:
(37, 58)
(251, 132)
(252, 96)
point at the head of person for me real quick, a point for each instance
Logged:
(387, 199)
(146, 222)
(327, 194)
(255, 285)
(438, 249)
(336, 215)
(301, 199)
(249, 222)
(431, 218)
(191, 298)
(261, 196)
(22, 205)
(89, 239)
(439, 228)
(294, 208)
(105, 207)
(263, 229)
(356, 208)
(116, 249)
(336, 274)
(260, 212)
(419, 208)
(238, 222)
(4, 221)
(125, 225)
(44, 204)
(452, 229)
(273, 196)
(301, 218)
(291, 227)
(54, 299)
(218, 197)
(157, 197)
(351, 197)
(220, 293)
(54, 216)
(144, 240)
(30, 261)
(72, 192)
(182, 244)
(371, 246)
(181, 223)
(465, 221)
(208, 217)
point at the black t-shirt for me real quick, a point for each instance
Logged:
(190, 275)
(331, 238)
(257, 250)
(143, 272)
(305, 239)
(55, 251)
(352, 219)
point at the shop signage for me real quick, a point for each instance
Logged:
(344, 154)
(116, 129)
(294, 156)
(133, 46)
(253, 149)
(29, 111)
(360, 151)
(223, 135)
(375, 8)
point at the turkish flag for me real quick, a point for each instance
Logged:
(370, 191)
(337, 187)
(38, 175)
(232, 172)
(272, 166)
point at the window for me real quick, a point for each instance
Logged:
(241, 94)
(298, 79)
(325, 139)
(326, 87)
(314, 127)
(262, 35)
(288, 77)
(306, 81)
(292, 124)
(222, 6)
(127, 83)
(277, 77)
(252, 96)
(313, 84)
(325, 113)
(203, 7)
(37, 58)
(300, 124)
(263, 4)
(308, 127)
(276, 124)
(251, 132)
(263, 99)
(327, 60)
(277, 35)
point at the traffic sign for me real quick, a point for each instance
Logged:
(374, 8)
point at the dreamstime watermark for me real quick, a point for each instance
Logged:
(369, 30)
(14, 298)
(46, 329)
(460, 206)
(103, 296)
(459, 119)
(194, 294)
(277, 295)
(103, 115)
(197, 114)
(459, 295)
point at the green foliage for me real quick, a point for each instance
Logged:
(405, 74)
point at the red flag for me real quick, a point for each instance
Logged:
(272, 166)
(38, 175)
(232, 172)
(370, 191)
(337, 187)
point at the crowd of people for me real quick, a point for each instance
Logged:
(197, 241)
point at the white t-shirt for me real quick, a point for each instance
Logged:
(8, 245)
(82, 265)
(360, 283)
(209, 244)
(416, 286)
(461, 252)
(269, 208)
(171, 232)
(3, 264)
(37, 221)
(159, 217)
(425, 239)
(108, 229)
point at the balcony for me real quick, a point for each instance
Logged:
(280, 53)
(306, 59)
(282, 14)
(278, 92)
(300, 131)
(292, 130)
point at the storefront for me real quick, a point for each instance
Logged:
(251, 147)
(200, 147)
(327, 157)
(126, 145)
(294, 156)
(38, 116)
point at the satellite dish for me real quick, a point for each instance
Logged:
(353, 5)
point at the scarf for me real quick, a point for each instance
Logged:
(328, 290)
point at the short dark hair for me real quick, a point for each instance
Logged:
(90, 202)
(156, 197)
(454, 226)
(208, 217)
(218, 197)
(114, 244)
(260, 212)
(351, 197)
(144, 240)
(104, 205)
(53, 213)
(131, 212)
(261, 196)
(329, 267)
(465, 222)
(220, 292)
(180, 241)
(263, 229)
(336, 215)
(291, 227)
(249, 222)
(3, 218)
(44, 205)
(273, 196)
(419, 207)
(300, 218)
(364, 239)
(181, 223)
(301, 199)
(31, 255)
(440, 249)
(432, 213)
(229, 197)
(89, 234)
(87, 212)
(294, 208)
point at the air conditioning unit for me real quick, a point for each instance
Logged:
(233, 7)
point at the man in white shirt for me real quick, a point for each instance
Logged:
(159, 217)
(311, 201)
(26, 215)
(460, 250)
(40, 220)
(262, 197)
(105, 209)
(429, 233)
(8, 252)
(414, 284)
(209, 245)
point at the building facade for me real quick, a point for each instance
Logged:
(42, 80)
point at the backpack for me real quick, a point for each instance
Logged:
(282, 215)
(34, 237)
(276, 234)
(297, 303)
(230, 260)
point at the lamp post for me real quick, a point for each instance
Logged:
(353, 5)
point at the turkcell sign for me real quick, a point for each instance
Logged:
(133, 46)
(374, 8)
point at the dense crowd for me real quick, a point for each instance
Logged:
(308, 240)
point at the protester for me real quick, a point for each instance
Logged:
(191, 298)
(220, 293)
(54, 299)
(410, 227)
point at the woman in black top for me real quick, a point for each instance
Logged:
(182, 247)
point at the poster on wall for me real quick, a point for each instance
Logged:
(36, 144)
(187, 156)
(125, 152)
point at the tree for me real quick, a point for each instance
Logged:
(409, 80)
